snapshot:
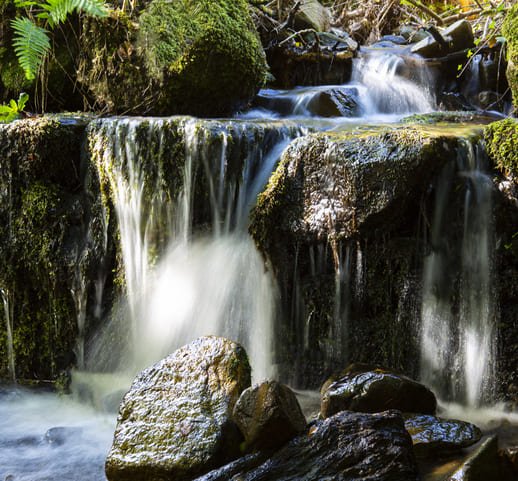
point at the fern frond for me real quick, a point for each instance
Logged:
(57, 11)
(31, 43)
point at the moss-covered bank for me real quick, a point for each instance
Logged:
(50, 245)
(510, 30)
(502, 145)
(202, 58)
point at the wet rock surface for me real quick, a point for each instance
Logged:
(346, 447)
(175, 421)
(432, 435)
(458, 36)
(364, 389)
(268, 415)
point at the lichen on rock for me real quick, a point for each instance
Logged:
(510, 31)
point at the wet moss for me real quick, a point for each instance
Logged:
(46, 214)
(501, 141)
(510, 31)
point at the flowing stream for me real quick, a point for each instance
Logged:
(191, 269)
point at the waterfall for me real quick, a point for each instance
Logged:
(385, 86)
(8, 316)
(458, 313)
(190, 267)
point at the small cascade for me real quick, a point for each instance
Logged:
(387, 83)
(458, 314)
(79, 295)
(182, 281)
(8, 316)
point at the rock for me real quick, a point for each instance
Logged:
(268, 415)
(175, 421)
(60, 435)
(510, 31)
(458, 36)
(345, 447)
(335, 102)
(201, 58)
(481, 465)
(312, 14)
(323, 58)
(433, 436)
(365, 389)
(338, 183)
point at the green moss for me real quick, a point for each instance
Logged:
(182, 57)
(501, 141)
(510, 31)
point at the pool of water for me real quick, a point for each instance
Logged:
(44, 437)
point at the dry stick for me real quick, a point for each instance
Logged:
(300, 33)
(426, 10)
(460, 16)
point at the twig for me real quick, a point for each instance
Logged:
(426, 10)
(300, 33)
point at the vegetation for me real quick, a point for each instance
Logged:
(14, 109)
(31, 40)
(501, 140)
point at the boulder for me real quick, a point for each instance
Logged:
(175, 421)
(340, 183)
(200, 58)
(320, 58)
(458, 36)
(432, 435)
(335, 102)
(312, 14)
(268, 415)
(367, 389)
(346, 447)
(510, 31)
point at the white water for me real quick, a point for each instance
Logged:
(8, 316)
(27, 454)
(384, 89)
(200, 284)
(458, 351)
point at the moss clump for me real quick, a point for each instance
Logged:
(501, 141)
(202, 58)
(510, 30)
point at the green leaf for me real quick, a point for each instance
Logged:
(31, 43)
(22, 101)
(13, 105)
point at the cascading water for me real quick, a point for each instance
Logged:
(457, 350)
(8, 316)
(187, 284)
(383, 87)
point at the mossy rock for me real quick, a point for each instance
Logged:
(202, 58)
(510, 30)
(501, 141)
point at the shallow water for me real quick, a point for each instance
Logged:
(30, 452)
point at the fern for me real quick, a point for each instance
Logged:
(31, 43)
(57, 11)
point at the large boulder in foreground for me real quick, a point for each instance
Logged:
(366, 389)
(175, 421)
(268, 414)
(346, 447)
(434, 436)
(201, 58)
(510, 31)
